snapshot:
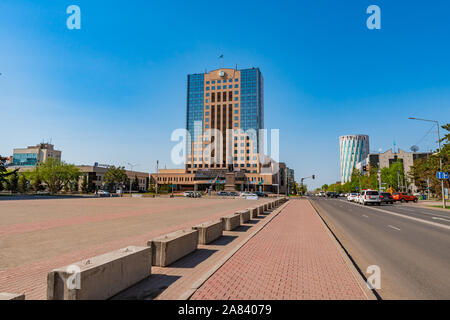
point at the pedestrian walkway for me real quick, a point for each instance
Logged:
(293, 258)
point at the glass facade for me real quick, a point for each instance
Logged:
(252, 101)
(25, 159)
(194, 118)
(353, 149)
(252, 105)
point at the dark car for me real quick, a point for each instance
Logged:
(332, 195)
(386, 197)
(223, 194)
(261, 194)
(234, 194)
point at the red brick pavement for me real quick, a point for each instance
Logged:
(292, 258)
(31, 278)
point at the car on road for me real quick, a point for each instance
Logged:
(321, 194)
(351, 196)
(223, 194)
(386, 197)
(369, 197)
(233, 194)
(404, 197)
(332, 194)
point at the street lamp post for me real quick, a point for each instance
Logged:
(131, 165)
(440, 157)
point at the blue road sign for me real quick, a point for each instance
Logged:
(441, 175)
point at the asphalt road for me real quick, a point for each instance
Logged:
(411, 245)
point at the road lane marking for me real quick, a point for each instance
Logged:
(394, 227)
(409, 217)
(436, 218)
(365, 216)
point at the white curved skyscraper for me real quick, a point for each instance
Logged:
(353, 149)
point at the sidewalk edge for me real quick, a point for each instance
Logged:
(354, 268)
(189, 293)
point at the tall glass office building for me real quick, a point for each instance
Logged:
(225, 99)
(353, 149)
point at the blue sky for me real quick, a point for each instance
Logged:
(114, 91)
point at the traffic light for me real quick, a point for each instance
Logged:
(313, 176)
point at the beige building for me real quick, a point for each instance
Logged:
(96, 177)
(225, 114)
(33, 155)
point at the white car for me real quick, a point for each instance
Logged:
(103, 193)
(351, 196)
(370, 197)
(248, 194)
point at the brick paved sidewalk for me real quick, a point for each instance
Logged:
(293, 257)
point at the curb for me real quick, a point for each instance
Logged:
(357, 273)
(188, 294)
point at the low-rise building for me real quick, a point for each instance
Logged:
(33, 155)
(96, 177)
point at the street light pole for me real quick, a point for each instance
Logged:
(440, 157)
(131, 165)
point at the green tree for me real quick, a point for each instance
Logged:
(84, 184)
(135, 184)
(56, 174)
(13, 182)
(325, 187)
(116, 176)
(23, 184)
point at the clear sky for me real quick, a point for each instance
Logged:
(114, 91)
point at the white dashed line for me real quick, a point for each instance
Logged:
(394, 228)
(365, 216)
(436, 218)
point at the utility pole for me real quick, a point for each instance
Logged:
(440, 156)
(131, 165)
(157, 172)
(379, 180)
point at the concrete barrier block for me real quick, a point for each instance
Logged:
(209, 231)
(100, 277)
(11, 296)
(244, 214)
(231, 222)
(260, 209)
(169, 248)
(253, 213)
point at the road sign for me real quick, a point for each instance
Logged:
(441, 175)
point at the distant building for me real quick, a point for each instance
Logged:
(96, 177)
(33, 155)
(353, 149)
(224, 116)
(386, 159)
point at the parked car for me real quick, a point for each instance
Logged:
(386, 197)
(322, 194)
(351, 196)
(369, 197)
(403, 197)
(103, 193)
(187, 193)
(223, 194)
(261, 194)
(234, 194)
(248, 194)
